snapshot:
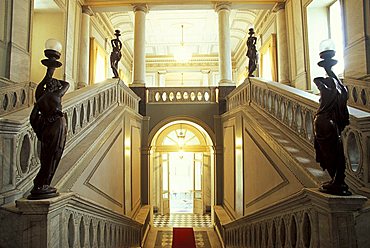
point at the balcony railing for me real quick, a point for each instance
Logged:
(182, 95)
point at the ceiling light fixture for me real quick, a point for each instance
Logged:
(182, 54)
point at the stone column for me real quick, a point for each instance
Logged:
(282, 44)
(205, 74)
(162, 78)
(139, 45)
(83, 68)
(223, 11)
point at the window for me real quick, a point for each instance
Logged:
(98, 61)
(268, 59)
(336, 34)
(324, 20)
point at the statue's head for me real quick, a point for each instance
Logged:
(53, 85)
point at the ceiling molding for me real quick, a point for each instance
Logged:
(174, 2)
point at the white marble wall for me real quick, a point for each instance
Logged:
(19, 67)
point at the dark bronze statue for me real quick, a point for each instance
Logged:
(116, 55)
(50, 125)
(252, 53)
(330, 120)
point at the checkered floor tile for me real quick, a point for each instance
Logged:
(182, 220)
(164, 239)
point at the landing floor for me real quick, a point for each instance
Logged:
(182, 220)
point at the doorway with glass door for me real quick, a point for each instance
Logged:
(182, 180)
(185, 182)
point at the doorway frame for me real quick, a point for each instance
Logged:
(209, 136)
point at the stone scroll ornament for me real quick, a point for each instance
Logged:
(251, 53)
(115, 55)
(49, 122)
(330, 120)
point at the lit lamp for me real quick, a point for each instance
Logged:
(327, 52)
(182, 54)
(52, 52)
(181, 142)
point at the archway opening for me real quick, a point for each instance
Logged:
(182, 174)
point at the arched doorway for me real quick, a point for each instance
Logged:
(181, 169)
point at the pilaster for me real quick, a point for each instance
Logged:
(356, 22)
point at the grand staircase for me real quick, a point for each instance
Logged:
(271, 121)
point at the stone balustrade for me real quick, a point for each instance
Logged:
(359, 93)
(182, 95)
(295, 109)
(15, 96)
(307, 219)
(65, 221)
(19, 145)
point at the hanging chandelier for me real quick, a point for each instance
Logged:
(182, 54)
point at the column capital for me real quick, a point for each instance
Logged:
(278, 7)
(87, 10)
(141, 7)
(205, 71)
(222, 6)
(162, 71)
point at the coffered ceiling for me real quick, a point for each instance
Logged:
(165, 17)
(163, 30)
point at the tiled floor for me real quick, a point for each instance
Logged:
(182, 220)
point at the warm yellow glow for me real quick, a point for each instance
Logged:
(180, 153)
(100, 68)
(182, 54)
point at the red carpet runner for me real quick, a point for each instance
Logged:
(183, 238)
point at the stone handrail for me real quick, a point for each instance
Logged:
(143, 217)
(15, 96)
(298, 221)
(182, 95)
(68, 220)
(295, 109)
(20, 149)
